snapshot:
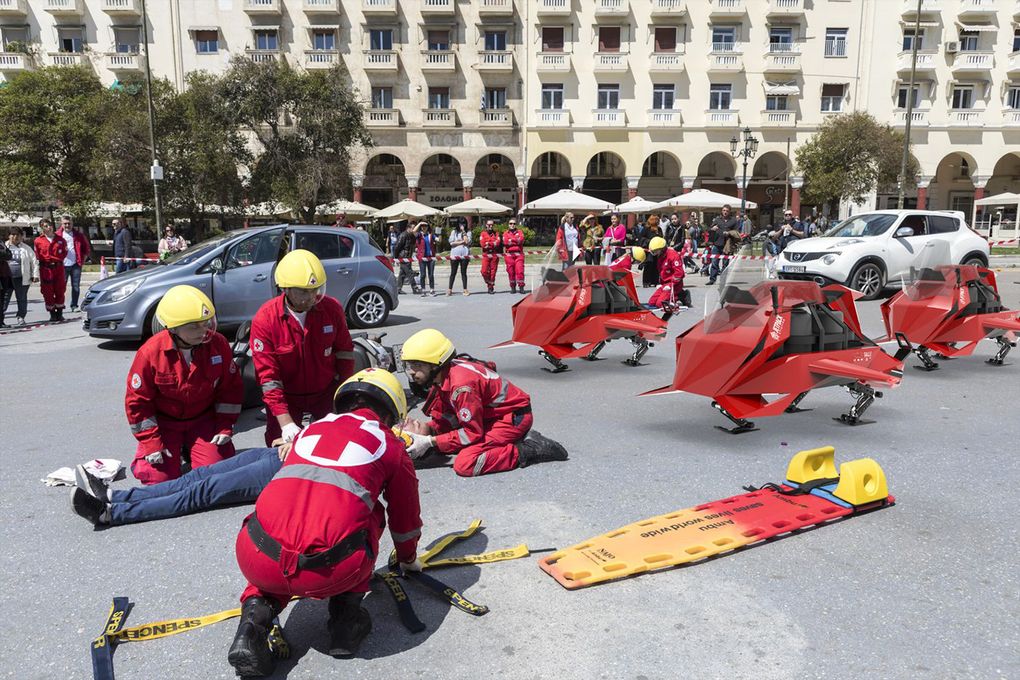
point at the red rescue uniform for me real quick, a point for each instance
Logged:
(622, 264)
(299, 368)
(478, 416)
(52, 280)
(491, 243)
(175, 406)
(328, 490)
(513, 251)
(671, 278)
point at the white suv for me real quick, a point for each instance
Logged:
(873, 250)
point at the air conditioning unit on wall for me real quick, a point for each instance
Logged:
(952, 47)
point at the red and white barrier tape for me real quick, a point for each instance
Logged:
(12, 330)
(1006, 242)
(448, 258)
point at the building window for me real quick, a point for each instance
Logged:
(267, 40)
(654, 166)
(968, 41)
(665, 39)
(832, 97)
(72, 40)
(18, 34)
(550, 164)
(552, 96)
(908, 39)
(495, 41)
(720, 96)
(494, 98)
(609, 96)
(380, 39)
(324, 40)
(1016, 40)
(901, 97)
(723, 38)
(663, 96)
(602, 164)
(439, 41)
(126, 40)
(777, 102)
(835, 42)
(382, 97)
(439, 97)
(552, 39)
(963, 97)
(1013, 98)
(780, 39)
(207, 42)
(609, 39)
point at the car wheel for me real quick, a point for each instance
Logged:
(975, 261)
(154, 324)
(867, 278)
(368, 308)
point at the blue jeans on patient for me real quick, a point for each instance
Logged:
(235, 480)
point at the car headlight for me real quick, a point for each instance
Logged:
(830, 258)
(121, 292)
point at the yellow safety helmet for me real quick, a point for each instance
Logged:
(638, 253)
(183, 305)
(300, 269)
(380, 385)
(429, 346)
(657, 243)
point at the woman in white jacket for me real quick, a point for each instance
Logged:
(24, 272)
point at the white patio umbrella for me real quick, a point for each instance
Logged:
(352, 208)
(406, 210)
(476, 206)
(704, 199)
(1003, 199)
(564, 200)
(267, 209)
(637, 206)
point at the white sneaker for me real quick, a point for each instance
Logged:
(21, 321)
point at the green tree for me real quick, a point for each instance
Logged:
(307, 125)
(49, 136)
(851, 155)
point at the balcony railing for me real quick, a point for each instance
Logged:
(495, 7)
(610, 61)
(1014, 63)
(726, 7)
(63, 6)
(379, 6)
(608, 118)
(552, 118)
(974, 7)
(910, 6)
(321, 58)
(669, 8)
(264, 56)
(15, 61)
(725, 57)
(438, 60)
(497, 118)
(666, 61)
(380, 60)
(664, 118)
(783, 59)
(122, 7)
(439, 117)
(778, 119)
(835, 48)
(925, 60)
(720, 118)
(918, 118)
(262, 6)
(1011, 118)
(553, 61)
(785, 7)
(965, 118)
(120, 61)
(974, 61)
(382, 117)
(68, 59)
(554, 7)
(330, 6)
(495, 61)
(13, 8)
(437, 7)
(611, 7)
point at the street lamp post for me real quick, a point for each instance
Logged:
(901, 184)
(155, 172)
(747, 153)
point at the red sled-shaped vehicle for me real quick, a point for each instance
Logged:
(948, 309)
(778, 339)
(574, 313)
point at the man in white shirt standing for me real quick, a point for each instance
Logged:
(78, 249)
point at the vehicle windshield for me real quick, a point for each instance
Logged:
(199, 250)
(926, 277)
(862, 225)
(733, 302)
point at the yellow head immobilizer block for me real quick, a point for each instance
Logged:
(861, 481)
(812, 464)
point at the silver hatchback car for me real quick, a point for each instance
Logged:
(235, 270)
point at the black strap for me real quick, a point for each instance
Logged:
(271, 548)
(799, 490)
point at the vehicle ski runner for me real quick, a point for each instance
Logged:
(481, 419)
(764, 345)
(316, 527)
(183, 390)
(301, 347)
(947, 309)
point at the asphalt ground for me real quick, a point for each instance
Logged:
(927, 588)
